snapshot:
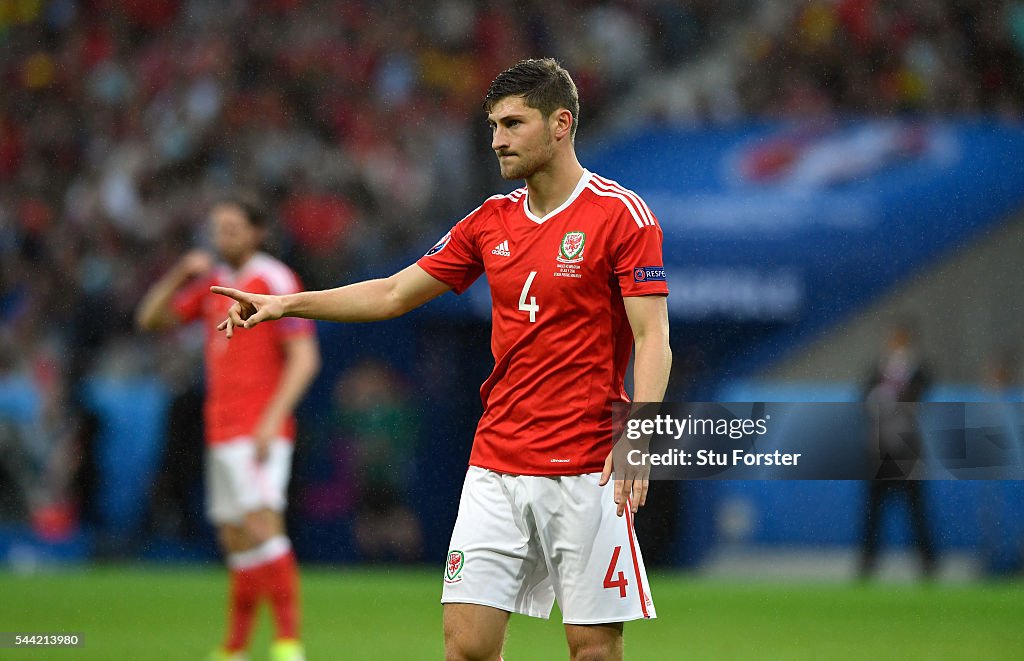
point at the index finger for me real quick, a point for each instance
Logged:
(236, 294)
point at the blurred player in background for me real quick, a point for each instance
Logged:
(253, 385)
(574, 263)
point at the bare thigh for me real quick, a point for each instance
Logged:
(473, 632)
(257, 528)
(594, 642)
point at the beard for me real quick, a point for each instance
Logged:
(517, 169)
(523, 167)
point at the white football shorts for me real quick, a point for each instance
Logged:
(522, 541)
(237, 484)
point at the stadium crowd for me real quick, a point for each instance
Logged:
(359, 124)
(874, 56)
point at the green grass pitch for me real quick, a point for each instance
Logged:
(160, 613)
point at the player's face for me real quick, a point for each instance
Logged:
(233, 236)
(521, 137)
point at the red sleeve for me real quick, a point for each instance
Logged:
(188, 302)
(639, 264)
(456, 260)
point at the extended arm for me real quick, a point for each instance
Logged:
(370, 300)
(652, 361)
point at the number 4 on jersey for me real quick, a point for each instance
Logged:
(532, 307)
(619, 582)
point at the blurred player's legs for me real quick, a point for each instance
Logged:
(246, 501)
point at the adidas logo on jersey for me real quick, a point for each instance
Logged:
(501, 249)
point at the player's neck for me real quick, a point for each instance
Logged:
(551, 186)
(236, 264)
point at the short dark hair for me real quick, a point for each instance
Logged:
(250, 205)
(543, 84)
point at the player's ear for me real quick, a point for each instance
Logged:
(562, 120)
(262, 238)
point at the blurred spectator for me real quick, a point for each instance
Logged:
(895, 444)
(1002, 532)
(318, 223)
(17, 412)
(381, 426)
(14, 475)
(70, 485)
(176, 505)
(47, 454)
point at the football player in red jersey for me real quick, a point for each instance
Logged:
(574, 262)
(248, 414)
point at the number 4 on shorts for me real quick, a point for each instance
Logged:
(619, 582)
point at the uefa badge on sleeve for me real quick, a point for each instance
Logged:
(453, 569)
(649, 274)
(571, 249)
(439, 246)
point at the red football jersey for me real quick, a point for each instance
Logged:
(561, 340)
(237, 394)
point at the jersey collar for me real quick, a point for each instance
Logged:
(584, 179)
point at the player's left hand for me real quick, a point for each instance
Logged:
(631, 491)
(262, 436)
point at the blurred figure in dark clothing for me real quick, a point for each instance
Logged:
(895, 443)
(176, 496)
(84, 488)
(377, 417)
(176, 510)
